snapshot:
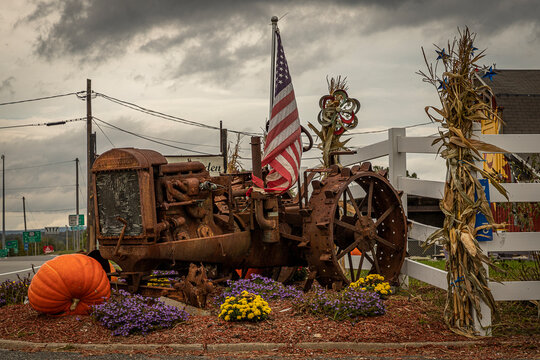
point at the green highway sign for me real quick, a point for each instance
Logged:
(12, 244)
(73, 221)
(31, 236)
(3, 253)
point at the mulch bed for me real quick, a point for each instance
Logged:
(406, 320)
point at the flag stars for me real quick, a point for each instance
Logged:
(282, 76)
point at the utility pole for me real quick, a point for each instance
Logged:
(25, 229)
(91, 245)
(24, 211)
(24, 217)
(3, 202)
(223, 145)
(76, 234)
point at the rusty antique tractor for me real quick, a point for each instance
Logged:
(154, 215)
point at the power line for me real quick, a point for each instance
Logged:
(148, 139)
(167, 116)
(41, 98)
(44, 210)
(385, 130)
(82, 173)
(39, 187)
(52, 123)
(36, 166)
(99, 127)
(170, 140)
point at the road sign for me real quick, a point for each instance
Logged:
(12, 244)
(73, 221)
(47, 249)
(3, 253)
(51, 230)
(26, 246)
(31, 236)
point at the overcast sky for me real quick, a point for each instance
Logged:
(208, 61)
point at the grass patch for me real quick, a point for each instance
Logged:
(509, 270)
(516, 317)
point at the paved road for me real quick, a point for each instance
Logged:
(10, 267)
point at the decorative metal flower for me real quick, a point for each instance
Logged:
(339, 111)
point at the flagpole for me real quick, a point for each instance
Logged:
(272, 64)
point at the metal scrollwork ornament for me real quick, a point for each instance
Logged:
(338, 110)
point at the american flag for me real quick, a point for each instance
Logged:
(283, 148)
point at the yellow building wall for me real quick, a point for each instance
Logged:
(493, 162)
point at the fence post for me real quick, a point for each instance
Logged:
(397, 163)
(484, 325)
(397, 166)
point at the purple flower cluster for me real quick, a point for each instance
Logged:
(170, 275)
(126, 314)
(14, 292)
(260, 285)
(344, 305)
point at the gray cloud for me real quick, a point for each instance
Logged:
(6, 86)
(42, 10)
(201, 33)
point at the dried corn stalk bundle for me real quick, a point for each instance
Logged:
(233, 164)
(337, 115)
(462, 104)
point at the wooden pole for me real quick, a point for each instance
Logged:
(24, 211)
(76, 234)
(89, 161)
(224, 148)
(3, 202)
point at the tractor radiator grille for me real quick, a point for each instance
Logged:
(118, 194)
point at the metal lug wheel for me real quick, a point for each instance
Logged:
(347, 222)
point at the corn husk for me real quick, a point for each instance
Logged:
(462, 105)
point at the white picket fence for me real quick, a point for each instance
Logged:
(397, 146)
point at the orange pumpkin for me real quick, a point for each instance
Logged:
(68, 284)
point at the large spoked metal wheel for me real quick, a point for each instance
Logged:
(347, 230)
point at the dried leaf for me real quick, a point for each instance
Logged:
(453, 241)
(468, 241)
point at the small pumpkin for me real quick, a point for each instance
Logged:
(68, 284)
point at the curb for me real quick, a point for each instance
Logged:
(238, 347)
